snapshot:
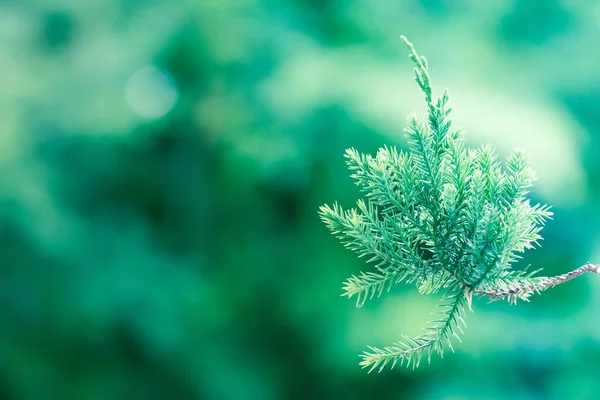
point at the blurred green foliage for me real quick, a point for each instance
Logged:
(162, 164)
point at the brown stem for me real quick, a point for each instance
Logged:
(541, 284)
(557, 280)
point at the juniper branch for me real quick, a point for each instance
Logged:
(442, 216)
(411, 350)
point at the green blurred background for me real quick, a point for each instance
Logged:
(161, 167)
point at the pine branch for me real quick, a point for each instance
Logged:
(411, 350)
(442, 216)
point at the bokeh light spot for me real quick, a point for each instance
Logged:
(150, 92)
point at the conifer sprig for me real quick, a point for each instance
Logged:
(442, 216)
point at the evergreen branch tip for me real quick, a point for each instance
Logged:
(442, 216)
